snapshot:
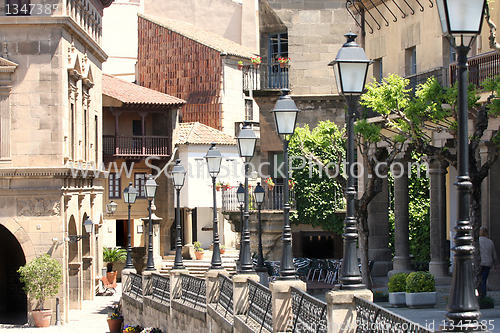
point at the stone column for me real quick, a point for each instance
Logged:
(401, 259)
(240, 292)
(378, 242)
(438, 265)
(188, 233)
(146, 282)
(282, 302)
(342, 309)
(212, 281)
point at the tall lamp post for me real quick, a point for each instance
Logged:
(178, 174)
(246, 141)
(285, 115)
(150, 189)
(259, 199)
(240, 195)
(461, 21)
(129, 196)
(350, 68)
(214, 159)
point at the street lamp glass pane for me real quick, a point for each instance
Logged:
(129, 194)
(88, 225)
(465, 15)
(246, 147)
(240, 193)
(214, 165)
(285, 121)
(442, 16)
(353, 76)
(150, 188)
(259, 197)
(111, 207)
(178, 179)
(337, 78)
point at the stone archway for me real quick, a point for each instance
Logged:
(13, 300)
(74, 266)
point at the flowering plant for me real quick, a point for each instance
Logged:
(152, 330)
(290, 183)
(240, 62)
(115, 314)
(130, 328)
(269, 181)
(256, 60)
(283, 60)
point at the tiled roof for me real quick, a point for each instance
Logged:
(130, 93)
(200, 134)
(204, 37)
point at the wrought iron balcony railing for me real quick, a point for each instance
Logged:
(136, 146)
(266, 77)
(480, 67)
(440, 73)
(273, 199)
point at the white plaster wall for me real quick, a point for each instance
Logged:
(120, 38)
(197, 190)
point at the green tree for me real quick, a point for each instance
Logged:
(433, 108)
(324, 147)
(112, 255)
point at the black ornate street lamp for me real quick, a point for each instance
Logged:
(259, 199)
(150, 191)
(350, 68)
(461, 21)
(246, 147)
(240, 195)
(178, 174)
(214, 159)
(129, 196)
(285, 115)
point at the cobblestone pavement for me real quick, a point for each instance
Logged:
(91, 318)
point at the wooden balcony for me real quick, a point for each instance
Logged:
(480, 68)
(266, 77)
(136, 146)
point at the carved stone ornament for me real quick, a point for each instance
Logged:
(39, 207)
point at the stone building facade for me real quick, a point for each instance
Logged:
(50, 109)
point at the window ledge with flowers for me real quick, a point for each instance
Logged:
(283, 62)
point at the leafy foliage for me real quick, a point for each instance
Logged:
(420, 282)
(318, 196)
(397, 283)
(113, 254)
(42, 277)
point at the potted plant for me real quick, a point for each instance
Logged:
(42, 277)
(379, 296)
(397, 289)
(256, 61)
(420, 290)
(130, 328)
(112, 255)
(270, 183)
(240, 65)
(291, 183)
(218, 186)
(486, 302)
(198, 251)
(225, 186)
(115, 320)
(222, 249)
(283, 61)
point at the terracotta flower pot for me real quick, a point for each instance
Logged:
(199, 255)
(42, 317)
(222, 251)
(282, 64)
(256, 65)
(240, 67)
(218, 188)
(271, 187)
(115, 325)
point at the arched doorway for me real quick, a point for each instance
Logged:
(13, 300)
